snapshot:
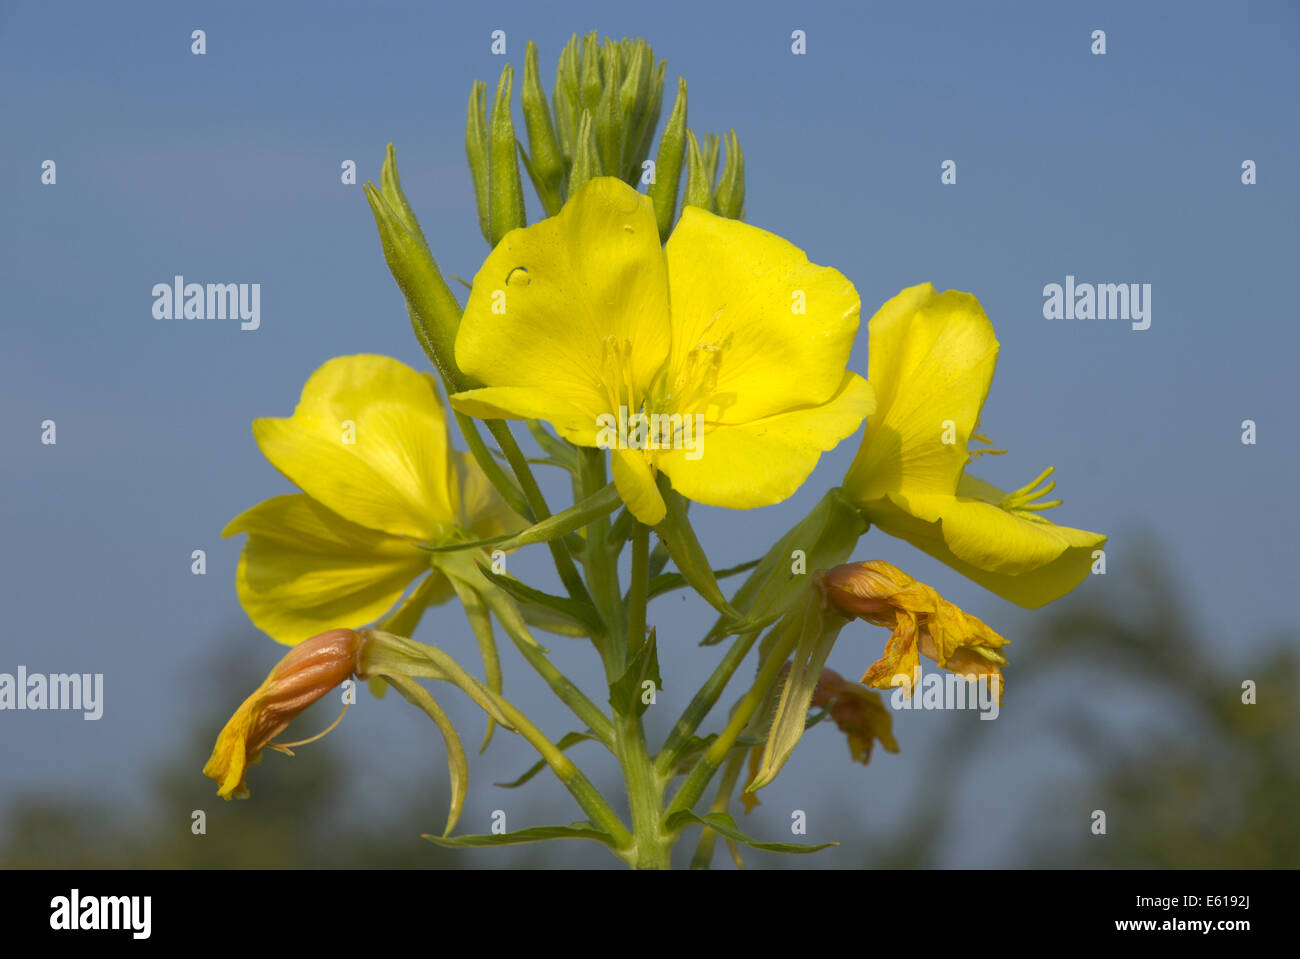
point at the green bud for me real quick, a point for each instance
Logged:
(546, 154)
(476, 149)
(647, 120)
(546, 165)
(506, 190)
(668, 164)
(435, 313)
(586, 159)
(609, 116)
(566, 99)
(631, 100)
(711, 149)
(699, 184)
(590, 82)
(730, 197)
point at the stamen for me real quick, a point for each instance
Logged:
(287, 749)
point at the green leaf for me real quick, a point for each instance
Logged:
(567, 740)
(825, 537)
(578, 830)
(724, 825)
(582, 613)
(601, 503)
(625, 692)
(554, 447)
(676, 534)
(666, 582)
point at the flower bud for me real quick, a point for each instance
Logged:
(730, 196)
(306, 674)
(476, 150)
(699, 179)
(668, 165)
(546, 164)
(505, 188)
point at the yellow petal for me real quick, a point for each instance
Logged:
(305, 569)
(1031, 563)
(931, 361)
(483, 511)
(368, 440)
(575, 424)
(550, 298)
(764, 461)
(786, 326)
(636, 484)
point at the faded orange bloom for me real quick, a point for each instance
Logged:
(858, 712)
(922, 622)
(309, 671)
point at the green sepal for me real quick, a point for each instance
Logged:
(578, 830)
(724, 825)
(567, 740)
(625, 692)
(457, 764)
(675, 532)
(818, 630)
(668, 165)
(566, 99)
(646, 122)
(826, 536)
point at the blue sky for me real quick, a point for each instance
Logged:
(225, 168)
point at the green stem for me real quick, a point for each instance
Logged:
(588, 797)
(702, 703)
(644, 787)
(688, 795)
(703, 857)
(639, 588)
(599, 564)
(500, 431)
(508, 489)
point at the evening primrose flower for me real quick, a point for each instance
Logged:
(921, 621)
(931, 362)
(368, 445)
(306, 673)
(720, 356)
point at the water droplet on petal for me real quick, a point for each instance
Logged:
(518, 277)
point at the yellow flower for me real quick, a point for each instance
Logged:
(718, 359)
(922, 622)
(931, 362)
(305, 674)
(368, 445)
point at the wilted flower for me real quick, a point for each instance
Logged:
(922, 622)
(306, 673)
